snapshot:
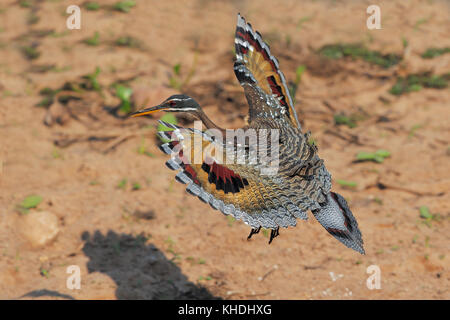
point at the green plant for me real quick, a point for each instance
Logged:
(230, 220)
(341, 119)
(294, 86)
(416, 82)
(301, 21)
(92, 6)
(435, 52)
(94, 40)
(124, 94)
(122, 184)
(56, 154)
(377, 156)
(124, 6)
(25, 4)
(30, 52)
(128, 41)
(28, 203)
(344, 183)
(378, 201)
(44, 272)
(49, 95)
(413, 130)
(427, 216)
(421, 21)
(31, 202)
(136, 186)
(143, 150)
(32, 18)
(405, 42)
(358, 51)
(92, 82)
(176, 81)
(55, 34)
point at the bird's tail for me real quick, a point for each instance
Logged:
(335, 216)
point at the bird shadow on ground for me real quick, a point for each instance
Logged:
(140, 270)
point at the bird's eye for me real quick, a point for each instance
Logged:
(172, 103)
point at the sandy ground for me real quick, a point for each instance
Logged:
(158, 242)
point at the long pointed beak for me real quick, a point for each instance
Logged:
(146, 111)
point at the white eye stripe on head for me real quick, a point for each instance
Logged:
(184, 109)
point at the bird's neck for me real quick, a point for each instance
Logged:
(207, 121)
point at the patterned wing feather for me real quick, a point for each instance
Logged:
(235, 189)
(256, 67)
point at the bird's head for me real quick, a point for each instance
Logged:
(175, 103)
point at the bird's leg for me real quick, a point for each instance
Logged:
(274, 233)
(253, 231)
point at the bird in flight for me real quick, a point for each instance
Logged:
(231, 175)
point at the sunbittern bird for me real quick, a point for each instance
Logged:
(239, 189)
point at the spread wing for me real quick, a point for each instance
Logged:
(259, 73)
(240, 190)
(234, 189)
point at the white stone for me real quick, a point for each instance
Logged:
(39, 227)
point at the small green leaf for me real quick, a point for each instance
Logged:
(122, 184)
(176, 69)
(25, 4)
(124, 6)
(44, 272)
(347, 183)
(92, 6)
(404, 42)
(373, 156)
(31, 202)
(415, 87)
(298, 73)
(362, 156)
(342, 119)
(123, 93)
(383, 153)
(93, 83)
(94, 41)
(425, 212)
(136, 186)
(30, 52)
(435, 52)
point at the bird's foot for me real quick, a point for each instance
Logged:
(274, 233)
(253, 231)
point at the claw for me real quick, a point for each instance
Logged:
(253, 231)
(274, 233)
